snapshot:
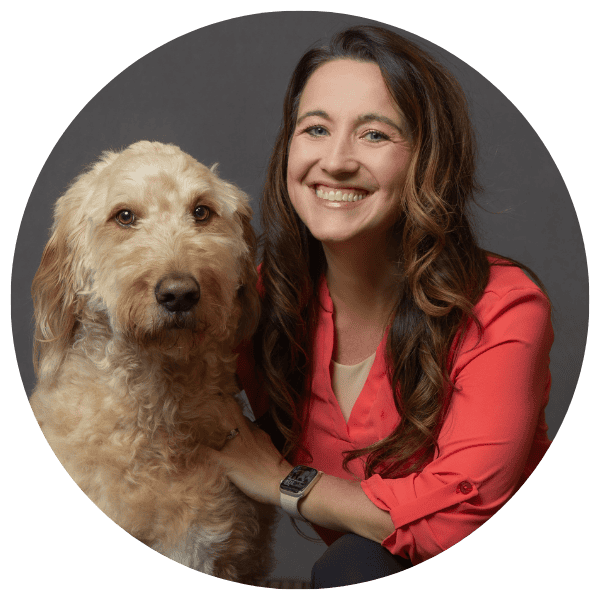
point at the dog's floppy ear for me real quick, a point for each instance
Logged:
(61, 277)
(248, 298)
(248, 294)
(54, 297)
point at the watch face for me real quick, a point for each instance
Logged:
(298, 479)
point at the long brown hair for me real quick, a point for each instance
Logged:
(442, 271)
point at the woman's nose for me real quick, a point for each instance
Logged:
(339, 157)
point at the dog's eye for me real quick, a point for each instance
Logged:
(201, 213)
(125, 217)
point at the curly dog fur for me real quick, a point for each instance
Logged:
(146, 285)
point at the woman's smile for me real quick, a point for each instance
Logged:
(334, 194)
(348, 154)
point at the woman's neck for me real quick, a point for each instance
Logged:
(362, 280)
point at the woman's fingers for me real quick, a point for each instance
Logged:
(234, 416)
(249, 458)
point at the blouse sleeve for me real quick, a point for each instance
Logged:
(492, 430)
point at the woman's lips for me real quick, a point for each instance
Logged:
(340, 194)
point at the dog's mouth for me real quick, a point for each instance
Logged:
(180, 320)
(174, 334)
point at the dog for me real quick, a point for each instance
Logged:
(145, 288)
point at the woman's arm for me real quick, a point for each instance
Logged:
(342, 505)
(492, 438)
(256, 467)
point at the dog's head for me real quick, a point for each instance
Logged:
(152, 245)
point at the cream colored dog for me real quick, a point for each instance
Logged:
(146, 285)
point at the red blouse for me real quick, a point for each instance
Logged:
(492, 439)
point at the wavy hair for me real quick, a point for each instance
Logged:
(442, 270)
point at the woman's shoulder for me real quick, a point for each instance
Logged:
(511, 292)
(508, 278)
(512, 308)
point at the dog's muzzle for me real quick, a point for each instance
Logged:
(177, 293)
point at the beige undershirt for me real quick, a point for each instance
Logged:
(347, 381)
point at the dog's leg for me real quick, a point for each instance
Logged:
(246, 556)
(196, 549)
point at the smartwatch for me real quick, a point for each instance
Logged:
(295, 486)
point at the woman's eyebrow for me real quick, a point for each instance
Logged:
(313, 113)
(377, 117)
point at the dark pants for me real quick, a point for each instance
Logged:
(354, 559)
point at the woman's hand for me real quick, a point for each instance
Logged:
(250, 460)
(256, 467)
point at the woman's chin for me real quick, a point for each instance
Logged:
(334, 237)
(358, 237)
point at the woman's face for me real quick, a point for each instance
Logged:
(348, 157)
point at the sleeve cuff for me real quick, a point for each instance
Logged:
(397, 497)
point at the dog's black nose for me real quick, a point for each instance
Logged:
(177, 293)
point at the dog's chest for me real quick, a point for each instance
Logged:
(124, 413)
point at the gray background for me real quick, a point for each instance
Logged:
(217, 93)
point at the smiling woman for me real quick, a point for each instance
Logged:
(394, 354)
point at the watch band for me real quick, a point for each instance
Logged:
(290, 505)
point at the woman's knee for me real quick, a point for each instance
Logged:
(353, 559)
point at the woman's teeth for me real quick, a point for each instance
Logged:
(339, 196)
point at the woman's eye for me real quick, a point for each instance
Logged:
(376, 136)
(201, 213)
(316, 131)
(125, 217)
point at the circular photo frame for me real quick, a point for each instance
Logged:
(217, 93)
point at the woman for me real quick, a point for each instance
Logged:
(394, 354)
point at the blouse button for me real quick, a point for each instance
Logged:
(464, 487)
